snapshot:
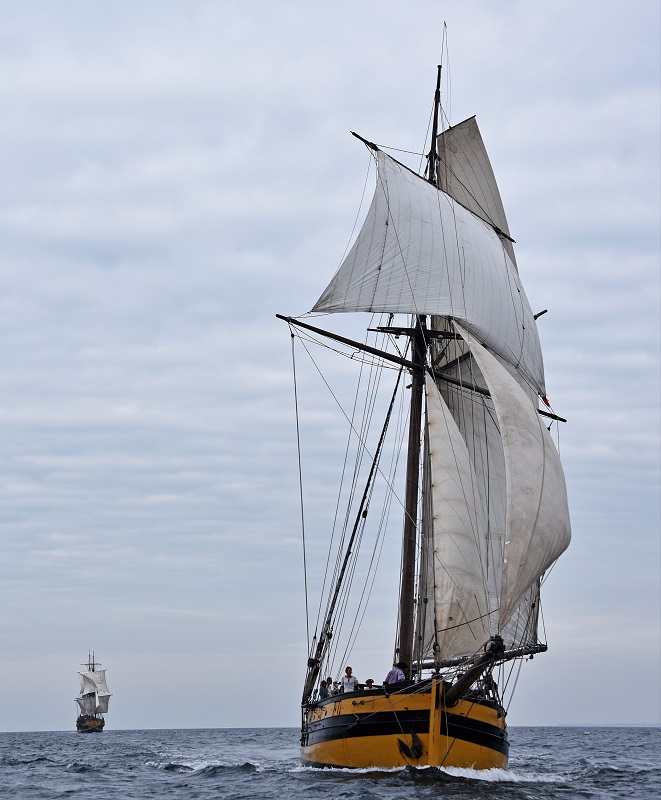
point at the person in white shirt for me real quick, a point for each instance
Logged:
(349, 681)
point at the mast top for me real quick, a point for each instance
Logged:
(91, 663)
(432, 158)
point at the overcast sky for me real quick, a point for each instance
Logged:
(173, 174)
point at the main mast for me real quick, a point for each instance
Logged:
(409, 543)
(409, 536)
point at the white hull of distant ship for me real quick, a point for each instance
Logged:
(485, 508)
(93, 699)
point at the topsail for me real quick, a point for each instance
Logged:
(93, 681)
(465, 173)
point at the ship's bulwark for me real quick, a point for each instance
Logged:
(371, 729)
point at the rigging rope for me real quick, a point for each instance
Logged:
(349, 564)
(371, 570)
(300, 487)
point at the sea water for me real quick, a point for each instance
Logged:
(545, 764)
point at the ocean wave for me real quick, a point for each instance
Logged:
(486, 775)
(347, 770)
(202, 767)
(79, 767)
(169, 766)
(617, 772)
(504, 775)
(216, 769)
(12, 761)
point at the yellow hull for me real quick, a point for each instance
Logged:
(409, 728)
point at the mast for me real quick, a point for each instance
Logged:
(432, 158)
(409, 536)
(409, 543)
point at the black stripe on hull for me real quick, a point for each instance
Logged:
(475, 732)
(388, 723)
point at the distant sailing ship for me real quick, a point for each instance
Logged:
(484, 500)
(93, 699)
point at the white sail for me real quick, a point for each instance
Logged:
(102, 701)
(475, 416)
(461, 603)
(87, 704)
(93, 681)
(537, 523)
(421, 252)
(465, 173)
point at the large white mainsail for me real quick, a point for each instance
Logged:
(466, 394)
(458, 527)
(537, 513)
(495, 513)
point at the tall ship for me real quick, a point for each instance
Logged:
(93, 699)
(450, 375)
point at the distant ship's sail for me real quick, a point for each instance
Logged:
(87, 704)
(93, 703)
(93, 681)
(103, 700)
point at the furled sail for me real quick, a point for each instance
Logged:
(93, 681)
(537, 514)
(421, 252)
(459, 528)
(465, 173)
